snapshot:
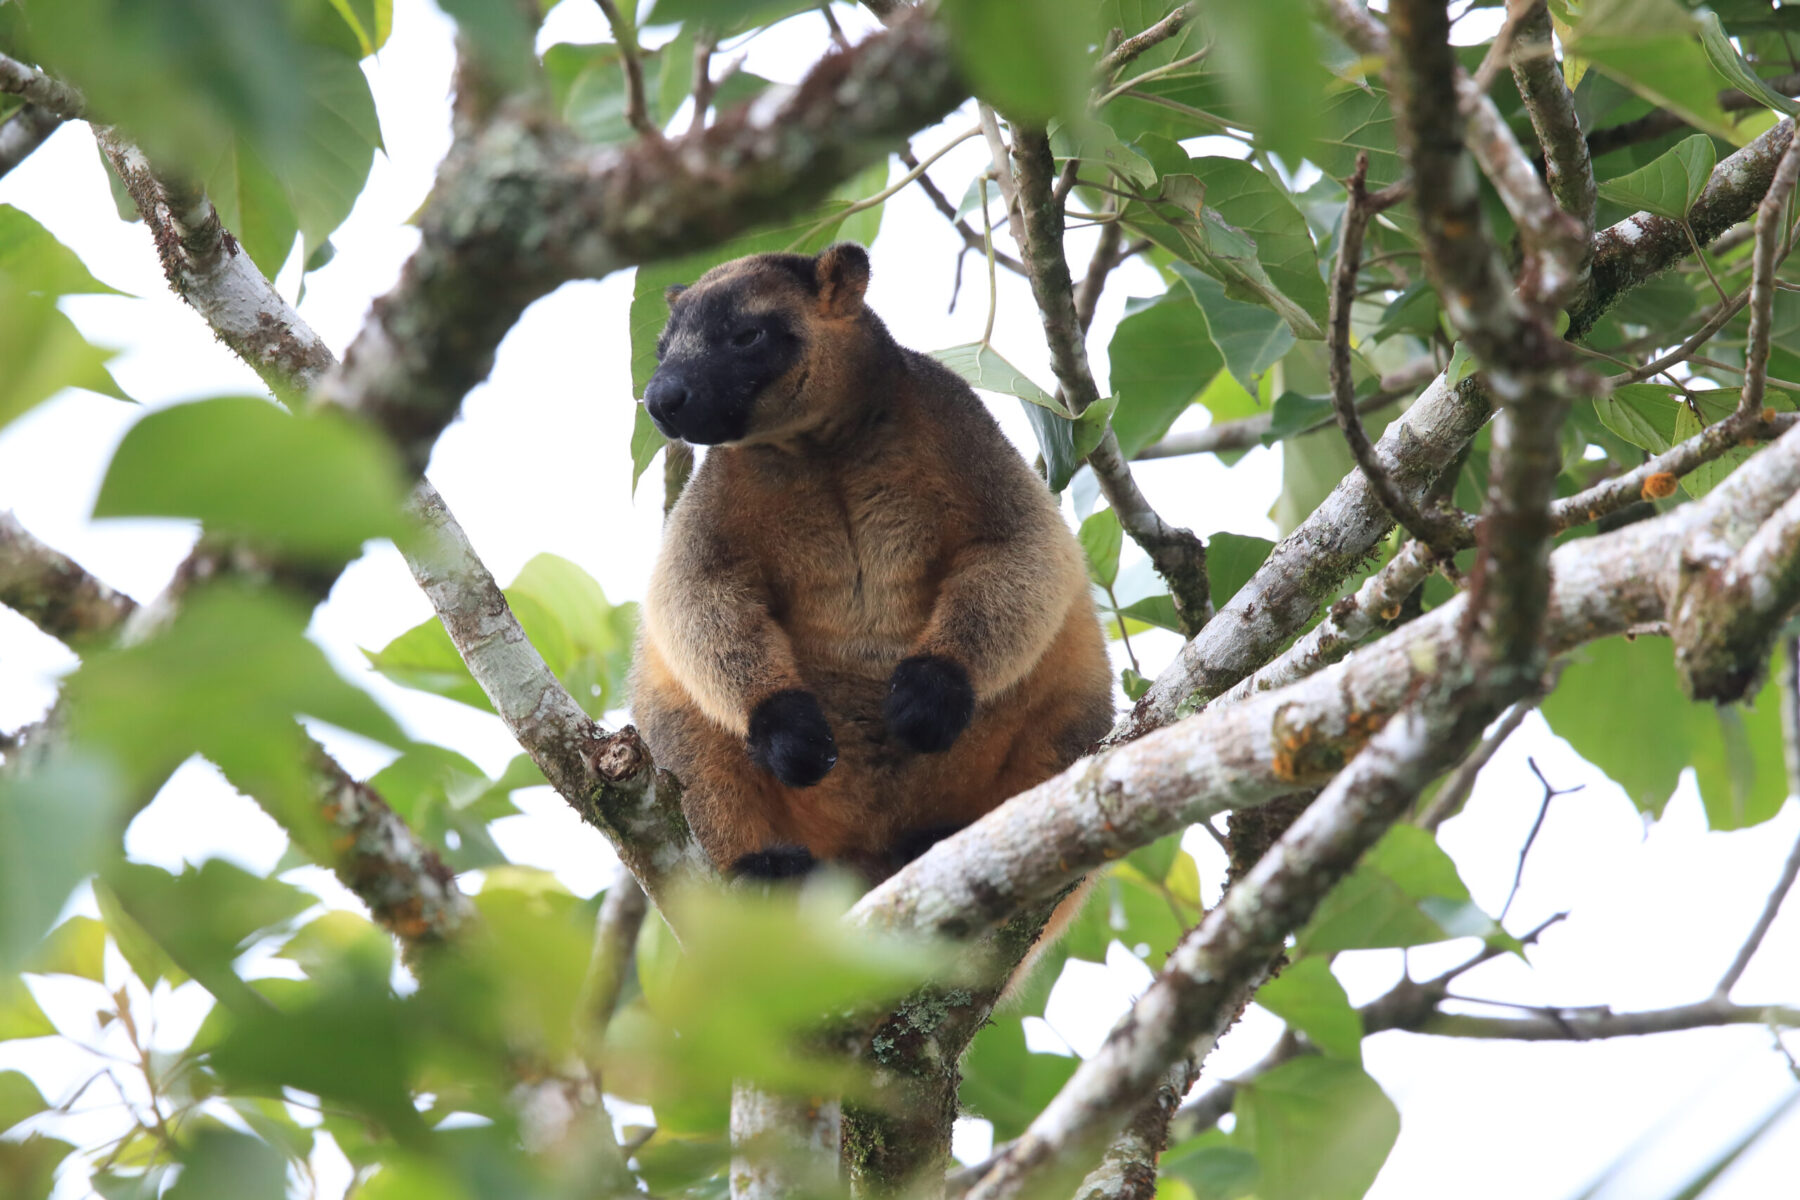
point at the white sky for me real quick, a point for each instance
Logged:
(539, 461)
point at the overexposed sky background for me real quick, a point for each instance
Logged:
(540, 462)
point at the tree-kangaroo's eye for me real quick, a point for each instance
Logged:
(748, 337)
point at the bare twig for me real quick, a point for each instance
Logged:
(1136, 44)
(941, 202)
(704, 85)
(1771, 226)
(53, 591)
(1441, 531)
(1453, 793)
(1790, 870)
(1550, 793)
(637, 113)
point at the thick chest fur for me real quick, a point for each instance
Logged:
(852, 555)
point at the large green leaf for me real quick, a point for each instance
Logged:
(1320, 1129)
(1064, 441)
(588, 82)
(221, 1164)
(206, 916)
(1652, 47)
(1101, 540)
(315, 486)
(1405, 892)
(1310, 999)
(230, 674)
(1729, 63)
(1231, 559)
(55, 823)
(1251, 338)
(1668, 186)
(1162, 355)
(1032, 64)
(448, 801)
(370, 20)
(37, 262)
(1005, 1082)
(43, 353)
(20, 1016)
(584, 638)
(19, 1099)
(982, 366)
(1735, 750)
(1272, 68)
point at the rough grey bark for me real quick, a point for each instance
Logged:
(53, 591)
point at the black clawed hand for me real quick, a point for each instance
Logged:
(929, 703)
(790, 738)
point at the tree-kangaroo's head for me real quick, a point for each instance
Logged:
(744, 343)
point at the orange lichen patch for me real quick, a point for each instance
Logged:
(408, 918)
(1390, 612)
(342, 845)
(1768, 414)
(1305, 753)
(1659, 486)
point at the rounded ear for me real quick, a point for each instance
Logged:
(843, 275)
(672, 291)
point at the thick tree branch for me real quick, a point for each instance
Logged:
(607, 777)
(52, 95)
(53, 591)
(1178, 556)
(1127, 1171)
(24, 132)
(1642, 246)
(1200, 988)
(1568, 169)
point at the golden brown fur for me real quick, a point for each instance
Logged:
(870, 512)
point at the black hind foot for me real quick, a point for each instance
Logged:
(915, 842)
(775, 863)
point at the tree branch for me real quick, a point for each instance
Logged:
(607, 777)
(51, 95)
(1568, 169)
(1137, 43)
(53, 591)
(637, 114)
(941, 202)
(1178, 556)
(1771, 229)
(24, 132)
(1209, 974)
(1437, 529)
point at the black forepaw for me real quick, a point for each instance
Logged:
(775, 862)
(790, 738)
(929, 703)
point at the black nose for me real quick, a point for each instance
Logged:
(664, 397)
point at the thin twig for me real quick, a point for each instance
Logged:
(1360, 208)
(1137, 43)
(1771, 225)
(704, 86)
(637, 113)
(1550, 793)
(941, 202)
(1783, 885)
(1453, 793)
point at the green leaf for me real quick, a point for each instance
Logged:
(584, 639)
(438, 792)
(1154, 610)
(1231, 559)
(1213, 1167)
(982, 366)
(76, 947)
(646, 442)
(148, 960)
(1320, 1129)
(726, 16)
(1005, 1082)
(1310, 999)
(1031, 65)
(1405, 892)
(1735, 751)
(588, 82)
(1131, 909)
(1714, 407)
(1651, 48)
(1670, 184)
(19, 1099)
(1273, 70)
(1251, 338)
(230, 674)
(1134, 685)
(1063, 443)
(20, 1016)
(316, 486)
(44, 353)
(1462, 365)
(1156, 859)
(1358, 119)
(1101, 539)
(206, 916)
(1162, 356)
(28, 1168)
(254, 205)
(222, 1164)
(1294, 414)
(38, 262)
(1261, 208)
(1729, 63)
(1641, 413)
(55, 824)
(370, 20)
